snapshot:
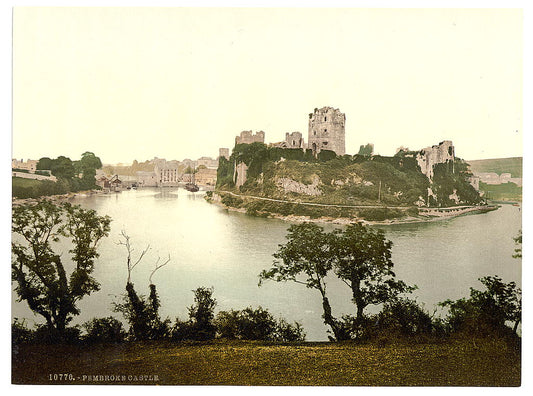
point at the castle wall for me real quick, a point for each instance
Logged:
(223, 152)
(327, 130)
(240, 174)
(248, 137)
(294, 140)
(439, 154)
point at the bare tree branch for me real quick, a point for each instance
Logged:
(158, 266)
(130, 250)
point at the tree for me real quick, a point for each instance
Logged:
(141, 313)
(44, 163)
(486, 310)
(363, 262)
(40, 273)
(62, 167)
(306, 258)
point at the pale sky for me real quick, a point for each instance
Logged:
(135, 83)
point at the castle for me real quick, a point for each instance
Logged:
(442, 153)
(326, 130)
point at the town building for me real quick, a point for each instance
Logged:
(29, 165)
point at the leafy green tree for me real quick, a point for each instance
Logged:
(201, 325)
(363, 262)
(42, 278)
(306, 259)
(44, 163)
(486, 310)
(104, 330)
(63, 167)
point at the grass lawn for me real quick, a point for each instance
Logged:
(22, 182)
(480, 362)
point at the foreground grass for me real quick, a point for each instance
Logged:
(482, 362)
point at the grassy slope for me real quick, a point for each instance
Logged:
(22, 182)
(483, 362)
(498, 165)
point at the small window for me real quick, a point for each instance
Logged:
(314, 133)
(325, 131)
(325, 118)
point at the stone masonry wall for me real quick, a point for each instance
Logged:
(327, 130)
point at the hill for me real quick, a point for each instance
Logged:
(374, 188)
(511, 165)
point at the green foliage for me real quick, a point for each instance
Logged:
(30, 188)
(366, 150)
(404, 316)
(41, 277)
(225, 172)
(42, 172)
(230, 200)
(143, 315)
(66, 171)
(358, 255)
(487, 311)
(379, 214)
(104, 330)
(501, 192)
(256, 324)
(44, 163)
(363, 261)
(450, 177)
(200, 326)
(20, 170)
(20, 333)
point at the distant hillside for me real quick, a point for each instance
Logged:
(498, 165)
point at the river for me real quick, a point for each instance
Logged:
(209, 246)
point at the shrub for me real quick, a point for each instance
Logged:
(487, 311)
(20, 333)
(104, 330)
(200, 326)
(404, 316)
(256, 324)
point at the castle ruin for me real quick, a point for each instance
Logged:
(326, 130)
(247, 137)
(442, 153)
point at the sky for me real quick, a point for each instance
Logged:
(138, 83)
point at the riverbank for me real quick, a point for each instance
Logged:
(424, 214)
(462, 362)
(56, 198)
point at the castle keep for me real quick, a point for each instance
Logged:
(326, 130)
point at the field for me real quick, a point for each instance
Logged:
(498, 165)
(479, 362)
(18, 182)
(502, 192)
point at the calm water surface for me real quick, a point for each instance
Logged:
(210, 246)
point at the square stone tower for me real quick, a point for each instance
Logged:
(326, 130)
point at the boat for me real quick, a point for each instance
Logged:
(191, 186)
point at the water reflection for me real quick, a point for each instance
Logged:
(210, 246)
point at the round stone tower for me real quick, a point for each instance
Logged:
(326, 130)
